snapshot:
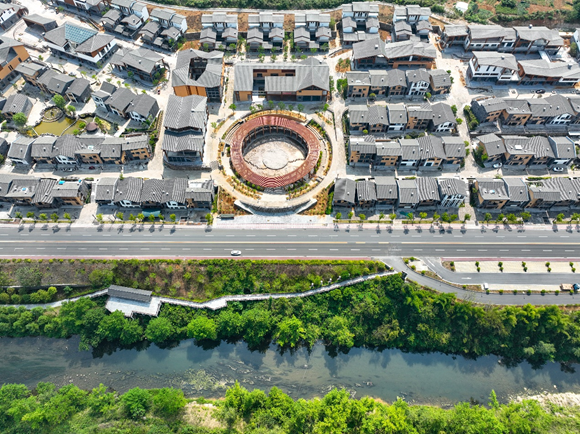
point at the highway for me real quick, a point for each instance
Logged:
(62, 241)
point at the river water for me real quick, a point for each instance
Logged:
(420, 378)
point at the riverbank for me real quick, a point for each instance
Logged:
(47, 409)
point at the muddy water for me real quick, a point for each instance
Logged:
(419, 378)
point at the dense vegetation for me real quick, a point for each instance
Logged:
(382, 313)
(72, 410)
(192, 279)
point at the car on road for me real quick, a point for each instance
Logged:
(497, 165)
(540, 91)
(558, 169)
(236, 253)
(92, 167)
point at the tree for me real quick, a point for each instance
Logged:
(271, 105)
(372, 96)
(99, 218)
(300, 108)
(19, 119)
(43, 217)
(233, 107)
(30, 215)
(202, 328)
(337, 332)
(209, 218)
(573, 49)
(54, 217)
(71, 109)
(362, 217)
(411, 217)
(350, 215)
(140, 217)
(487, 217)
(29, 277)
(560, 218)
(136, 402)
(338, 215)
(575, 217)
(101, 278)
(120, 216)
(18, 215)
(466, 217)
(453, 218)
(381, 216)
(168, 402)
(289, 332)
(151, 218)
(59, 101)
(132, 218)
(436, 217)
(281, 105)
(172, 217)
(159, 330)
(525, 216)
(500, 218)
(393, 216)
(422, 215)
(445, 217)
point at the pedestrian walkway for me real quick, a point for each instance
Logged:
(217, 303)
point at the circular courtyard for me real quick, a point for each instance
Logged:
(274, 151)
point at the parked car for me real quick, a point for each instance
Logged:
(558, 169)
(236, 253)
(497, 165)
(540, 91)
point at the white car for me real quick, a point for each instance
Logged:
(558, 169)
(236, 253)
(497, 165)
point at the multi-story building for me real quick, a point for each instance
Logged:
(428, 193)
(265, 30)
(491, 193)
(408, 193)
(185, 128)
(302, 81)
(453, 35)
(443, 119)
(16, 103)
(552, 110)
(311, 30)
(431, 151)
(543, 72)
(12, 54)
(411, 14)
(516, 112)
(387, 191)
(165, 29)
(489, 38)
(71, 89)
(492, 149)
(454, 148)
(488, 109)
(517, 192)
(360, 21)
(440, 81)
(10, 14)
(493, 66)
(218, 28)
(419, 117)
(344, 192)
(530, 39)
(87, 46)
(141, 63)
(453, 192)
(418, 82)
(374, 53)
(366, 194)
(199, 73)
(125, 17)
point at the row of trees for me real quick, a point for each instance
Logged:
(410, 216)
(511, 217)
(43, 216)
(47, 409)
(383, 313)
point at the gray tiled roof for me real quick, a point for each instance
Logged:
(537, 146)
(129, 189)
(379, 78)
(410, 149)
(386, 187)
(69, 32)
(452, 187)
(517, 106)
(212, 75)
(454, 147)
(390, 149)
(23, 187)
(164, 190)
(358, 78)
(19, 148)
(67, 189)
(17, 103)
(397, 77)
(182, 141)
(489, 105)
(30, 68)
(162, 14)
(553, 105)
(377, 115)
(348, 22)
(491, 31)
(455, 30)
(563, 147)
(431, 147)
(545, 68)
(200, 191)
(397, 113)
(533, 33)
(394, 50)
(408, 191)
(492, 144)
(492, 189)
(309, 72)
(428, 189)
(43, 147)
(366, 191)
(440, 78)
(144, 105)
(442, 113)
(79, 86)
(516, 189)
(424, 25)
(417, 75)
(120, 99)
(344, 189)
(420, 112)
(493, 58)
(186, 112)
(402, 27)
(43, 194)
(141, 59)
(105, 189)
(95, 43)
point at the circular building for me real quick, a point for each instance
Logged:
(274, 151)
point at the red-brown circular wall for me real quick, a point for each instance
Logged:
(274, 124)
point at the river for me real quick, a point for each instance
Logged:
(420, 378)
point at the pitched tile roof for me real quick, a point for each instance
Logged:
(186, 112)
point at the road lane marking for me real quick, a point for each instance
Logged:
(41, 248)
(355, 250)
(329, 249)
(292, 249)
(568, 250)
(459, 250)
(439, 250)
(103, 248)
(270, 249)
(525, 250)
(123, 248)
(546, 250)
(312, 249)
(417, 250)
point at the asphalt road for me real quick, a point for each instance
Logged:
(51, 240)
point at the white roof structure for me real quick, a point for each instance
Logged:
(461, 6)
